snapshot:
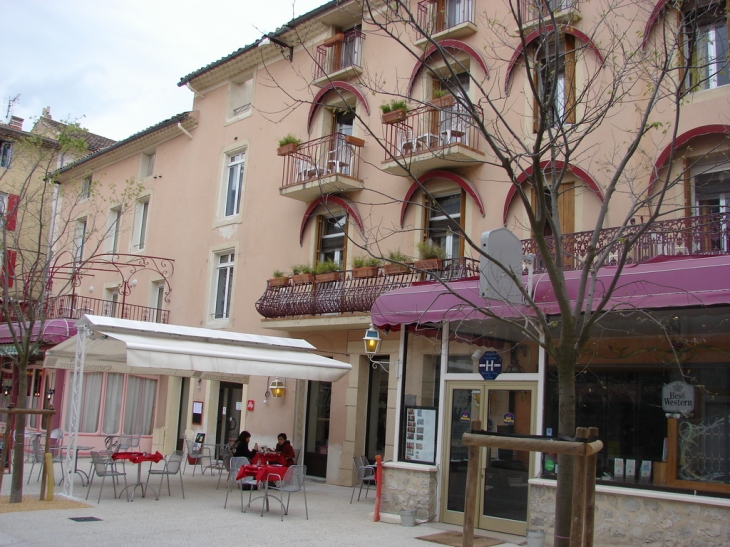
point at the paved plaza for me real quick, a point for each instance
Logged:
(200, 520)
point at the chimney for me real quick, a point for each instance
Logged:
(47, 113)
(16, 123)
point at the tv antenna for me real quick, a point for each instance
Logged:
(11, 106)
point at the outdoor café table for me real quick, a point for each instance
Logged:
(139, 458)
(261, 473)
(269, 458)
(76, 469)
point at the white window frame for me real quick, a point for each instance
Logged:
(233, 184)
(79, 239)
(223, 272)
(141, 224)
(147, 165)
(113, 229)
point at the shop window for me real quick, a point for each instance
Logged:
(420, 383)
(90, 403)
(223, 285)
(554, 69)
(332, 230)
(706, 30)
(445, 223)
(233, 187)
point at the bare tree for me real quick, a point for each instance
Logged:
(43, 240)
(548, 97)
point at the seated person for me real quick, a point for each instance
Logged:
(284, 448)
(240, 447)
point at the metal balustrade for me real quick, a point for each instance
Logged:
(74, 306)
(329, 156)
(342, 51)
(436, 16)
(533, 10)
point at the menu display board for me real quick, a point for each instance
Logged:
(421, 434)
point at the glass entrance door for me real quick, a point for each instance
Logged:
(502, 491)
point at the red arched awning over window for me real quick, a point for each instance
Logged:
(334, 86)
(535, 34)
(464, 184)
(447, 44)
(579, 173)
(337, 201)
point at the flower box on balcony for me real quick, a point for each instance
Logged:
(354, 141)
(287, 149)
(394, 116)
(392, 269)
(334, 40)
(327, 277)
(366, 271)
(429, 264)
(443, 102)
(278, 282)
(301, 279)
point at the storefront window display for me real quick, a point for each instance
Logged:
(621, 383)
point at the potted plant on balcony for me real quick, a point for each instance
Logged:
(301, 274)
(442, 98)
(365, 266)
(395, 111)
(288, 145)
(278, 279)
(399, 263)
(431, 256)
(326, 272)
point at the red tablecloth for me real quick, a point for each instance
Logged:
(261, 472)
(138, 457)
(269, 458)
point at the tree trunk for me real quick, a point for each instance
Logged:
(564, 493)
(16, 484)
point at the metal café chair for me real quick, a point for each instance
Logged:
(172, 466)
(195, 456)
(365, 476)
(104, 466)
(220, 462)
(293, 481)
(235, 464)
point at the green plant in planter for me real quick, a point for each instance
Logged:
(299, 269)
(326, 267)
(366, 262)
(398, 256)
(438, 93)
(289, 139)
(394, 104)
(278, 273)
(428, 250)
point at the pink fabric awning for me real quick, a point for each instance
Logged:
(54, 331)
(665, 282)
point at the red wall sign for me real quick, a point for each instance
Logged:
(249, 405)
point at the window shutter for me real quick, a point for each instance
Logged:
(9, 266)
(687, 184)
(320, 232)
(569, 79)
(535, 98)
(11, 214)
(566, 207)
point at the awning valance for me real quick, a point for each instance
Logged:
(53, 331)
(120, 345)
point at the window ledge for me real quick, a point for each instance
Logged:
(239, 117)
(227, 221)
(568, 16)
(458, 31)
(346, 73)
(639, 493)
(709, 94)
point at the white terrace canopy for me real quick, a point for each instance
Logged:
(120, 345)
(105, 344)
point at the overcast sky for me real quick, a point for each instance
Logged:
(114, 65)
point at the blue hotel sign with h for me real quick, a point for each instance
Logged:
(490, 365)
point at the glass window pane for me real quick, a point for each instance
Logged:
(113, 404)
(139, 405)
(90, 403)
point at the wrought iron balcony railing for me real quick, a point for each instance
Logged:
(533, 10)
(352, 293)
(436, 16)
(698, 235)
(331, 156)
(430, 128)
(341, 51)
(74, 306)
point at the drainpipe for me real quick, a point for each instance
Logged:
(181, 128)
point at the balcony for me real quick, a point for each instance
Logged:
(339, 57)
(441, 19)
(351, 293)
(437, 135)
(322, 166)
(73, 307)
(535, 12)
(699, 235)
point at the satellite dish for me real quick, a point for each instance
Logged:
(494, 283)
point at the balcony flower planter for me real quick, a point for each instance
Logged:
(327, 277)
(334, 40)
(354, 141)
(366, 271)
(394, 116)
(278, 282)
(443, 102)
(392, 269)
(302, 279)
(287, 149)
(429, 264)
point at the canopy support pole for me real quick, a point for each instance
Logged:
(77, 384)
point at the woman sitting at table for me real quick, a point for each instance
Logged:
(284, 448)
(240, 447)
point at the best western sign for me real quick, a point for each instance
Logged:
(678, 397)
